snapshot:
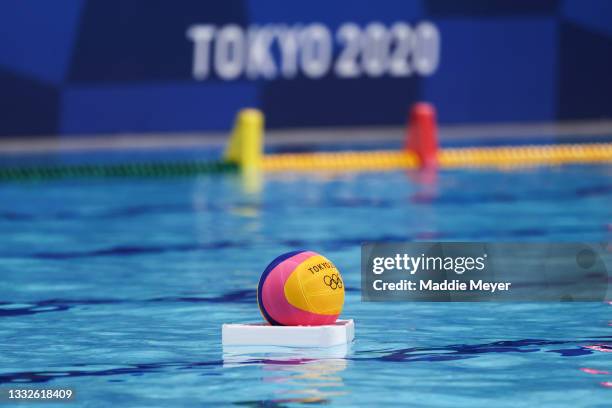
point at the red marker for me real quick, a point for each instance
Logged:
(422, 134)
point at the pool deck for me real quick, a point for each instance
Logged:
(593, 130)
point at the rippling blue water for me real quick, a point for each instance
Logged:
(118, 289)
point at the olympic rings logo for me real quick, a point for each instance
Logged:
(333, 281)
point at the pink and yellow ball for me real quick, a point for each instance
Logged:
(300, 288)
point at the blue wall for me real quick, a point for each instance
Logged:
(104, 66)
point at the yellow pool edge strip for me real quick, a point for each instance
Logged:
(521, 156)
(346, 161)
(495, 157)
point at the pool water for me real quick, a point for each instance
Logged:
(118, 288)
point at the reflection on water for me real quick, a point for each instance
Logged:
(307, 381)
(296, 375)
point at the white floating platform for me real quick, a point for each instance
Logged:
(263, 334)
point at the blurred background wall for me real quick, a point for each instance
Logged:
(108, 66)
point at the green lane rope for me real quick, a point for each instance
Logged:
(159, 169)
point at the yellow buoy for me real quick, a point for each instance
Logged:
(245, 146)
